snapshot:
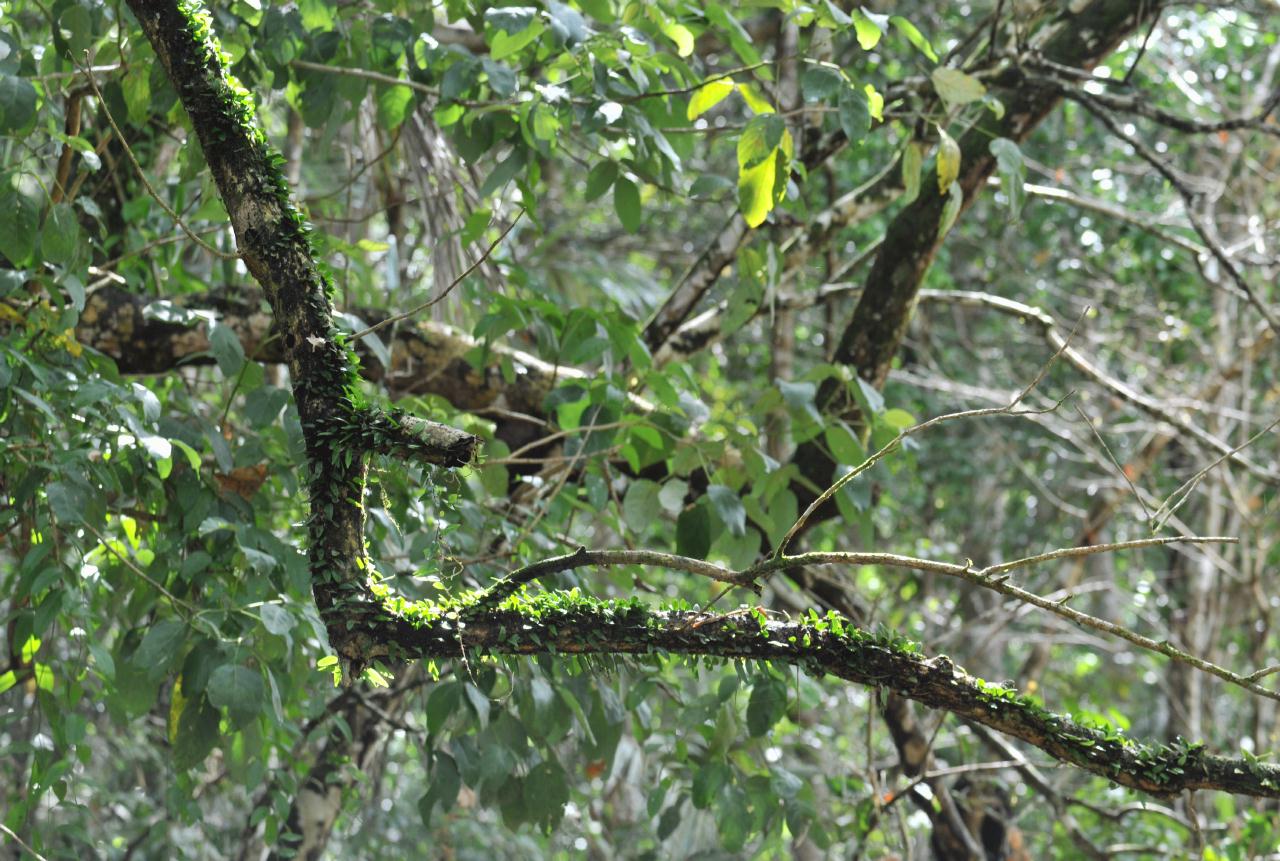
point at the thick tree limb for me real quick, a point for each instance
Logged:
(558, 626)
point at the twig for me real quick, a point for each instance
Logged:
(87, 70)
(21, 842)
(366, 74)
(447, 290)
(1183, 493)
(892, 445)
(1120, 469)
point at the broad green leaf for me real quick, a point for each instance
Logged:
(599, 179)
(755, 192)
(693, 532)
(238, 689)
(767, 705)
(160, 647)
(855, 117)
(728, 505)
(546, 792)
(875, 102)
(60, 236)
(672, 495)
(955, 87)
(136, 84)
(626, 202)
(641, 507)
(226, 348)
(948, 160)
(503, 44)
(197, 733)
(708, 96)
(819, 83)
(442, 790)
(19, 222)
(17, 103)
(394, 106)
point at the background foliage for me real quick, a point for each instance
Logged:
(165, 687)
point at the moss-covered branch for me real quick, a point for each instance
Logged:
(560, 622)
(274, 242)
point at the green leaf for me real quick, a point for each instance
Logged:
(898, 419)
(855, 117)
(912, 165)
(693, 532)
(914, 36)
(238, 689)
(17, 103)
(599, 179)
(504, 43)
(843, 444)
(394, 106)
(948, 161)
(160, 647)
(1013, 172)
(767, 705)
(441, 704)
(955, 87)
(504, 172)
(626, 202)
(19, 222)
(672, 495)
(821, 82)
(60, 237)
(708, 96)
(197, 733)
(728, 505)
(443, 788)
(136, 85)
(641, 507)
(226, 348)
(546, 792)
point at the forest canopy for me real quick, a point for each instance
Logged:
(641, 430)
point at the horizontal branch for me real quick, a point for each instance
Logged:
(412, 438)
(563, 623)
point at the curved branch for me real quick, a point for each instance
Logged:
(558, 624)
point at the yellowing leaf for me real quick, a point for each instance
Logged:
(679, 34)
(755, 99)
(755, 191)
(867, 31)
(948, 161)
(762, 183)
(912, 161)
(875, 102)
(956, 88)
(708, 96)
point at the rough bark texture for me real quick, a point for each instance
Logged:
(273, 242)
(1080, 40)
(540, 627)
